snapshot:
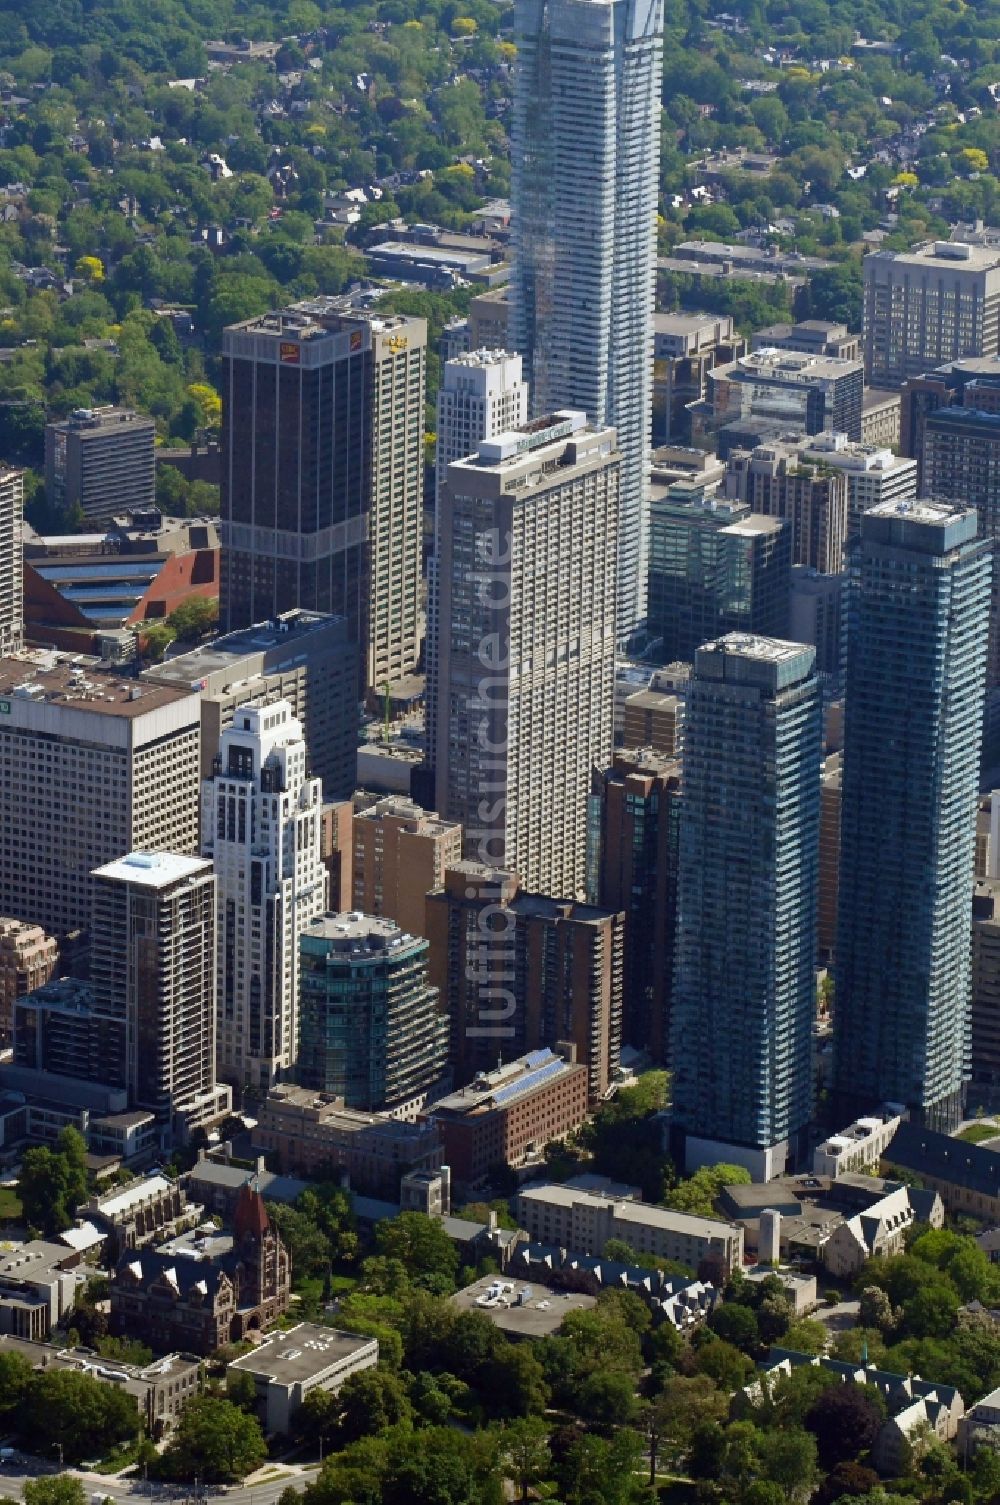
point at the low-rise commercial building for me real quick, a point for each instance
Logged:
(507, 1116)
(584, 1220)
(38, 1286)
(307, 1133)
(160, 1389)
(288, 1365)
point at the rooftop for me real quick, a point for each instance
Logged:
(76, 683)
(132, 1195)
(952, 254)
(354, 931)
(519, 1308)
(153, 869)
(301, 1353)
(498, 1088)
(751, 646)
(222, 653)
(935, 513)
(642, 1213)
(787, 365)
(82, 419)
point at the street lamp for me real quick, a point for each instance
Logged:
(60, 1447)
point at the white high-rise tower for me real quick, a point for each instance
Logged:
(482, 395)
(586, 147)
(261, 818)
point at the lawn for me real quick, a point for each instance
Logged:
(976, 1133)
(10, 1205)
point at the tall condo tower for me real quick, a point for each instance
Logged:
(586, 141)
(524, 698)
(747, 883)
(482, 395)
(915, 686)
(261, 819)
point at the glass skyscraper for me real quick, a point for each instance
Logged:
(585, 161)
(744, 989)
(915, 687)
(370, 1029)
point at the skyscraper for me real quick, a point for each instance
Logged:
(915, 684)
(482, 395)
(744, 991)
(261, 818)
(11, 559)
(585, 136)
(632, 861)
(91, 765)
(714, 567)
(152, 968)
(524, 698)
(371, 1031)
(322, 475)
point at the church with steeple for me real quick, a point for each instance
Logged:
(204, 1290)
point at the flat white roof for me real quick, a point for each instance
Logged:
(152, 869)
(132, 1194)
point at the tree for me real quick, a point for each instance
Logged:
(514, 1382)
(241, 1389)
(607, 1400)
(845, 1420)
(420, 1242)
(875, 1309)
(67, 1411)
(806, 1336)
(432, 1468)
(90, 268)
(598, 1471)
(371, 1401)
(209, 404)
(59, 1489)
(726, 1365)
(699, 1193)
(15, 1377)
(214, 1441)
(735, 1324)
(847, 1480)
(525, 1456)
(54, 1181)
(155, 638)
(681, 1407)
(194, 617)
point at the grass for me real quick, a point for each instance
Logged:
(976, 1133)
(10, 1205)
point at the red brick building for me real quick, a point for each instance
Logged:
(505, 1115)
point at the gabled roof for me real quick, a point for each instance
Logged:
(925, 1152)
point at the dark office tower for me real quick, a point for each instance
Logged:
(322, 475)
(915, 678)
(714, 567)
(744, 990)
(632, 867)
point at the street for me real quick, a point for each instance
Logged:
(133, 1491)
